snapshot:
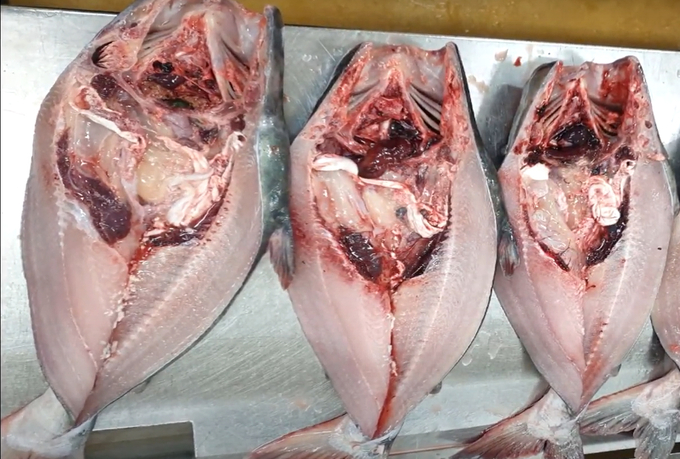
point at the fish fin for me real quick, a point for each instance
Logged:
(437, 389)
(281, 254)
(338, 438)
(42, 430)
(508, 254)
(547, 426)
(655, 441)
(650, 410)
(509, 438)
(612, 414)
(142, 387)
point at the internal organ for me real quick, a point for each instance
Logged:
(157, 140)
(385, 193)
(576, 175)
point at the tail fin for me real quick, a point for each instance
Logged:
(338, 438)
(546, 427)
(42, 430)
(651, 410)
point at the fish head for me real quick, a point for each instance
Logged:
(388, 194)
(581, 179)
(146, 173)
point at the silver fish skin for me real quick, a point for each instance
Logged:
(160, 162)
(394, 235)
(651, 410)
(588, 191)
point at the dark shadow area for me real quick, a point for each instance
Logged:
(168, 441)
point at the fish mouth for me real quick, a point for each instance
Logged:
(382, 178)
(579, 155)
(162, 105)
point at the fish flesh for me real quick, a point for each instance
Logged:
(588, 192)
(393, 239)
(651, 410)
(159, 168)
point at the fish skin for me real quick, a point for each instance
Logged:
(361, 334)
(176, 292)
(576, 337)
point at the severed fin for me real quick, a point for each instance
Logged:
(437, 389)
(508, 254)
(42, 430)
(281, 253)
(338, 438)
(612, 414)
(546, 427)
(142, 387)
(656, 441)
(651, 411)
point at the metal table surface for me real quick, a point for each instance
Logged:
(254, 377)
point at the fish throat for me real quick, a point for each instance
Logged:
(576, 170)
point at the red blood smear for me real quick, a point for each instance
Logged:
(518, 61)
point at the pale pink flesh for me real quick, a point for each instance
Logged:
(347, 324)
(76, 281)
(347, 319)
(576, 337)
(666, 312)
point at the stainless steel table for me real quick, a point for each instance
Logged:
(254, 377)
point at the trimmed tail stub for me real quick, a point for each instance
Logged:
(160, 157)
(394, 229)
(586, 187)
(43, 430)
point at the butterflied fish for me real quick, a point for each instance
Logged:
(587, 189)
(160, 159)
(392, 207)
(651, 410)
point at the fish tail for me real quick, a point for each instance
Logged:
(546, 427)
(338, 438)
(650, 410)
(43, 430)
(655, 441)
(281, 254)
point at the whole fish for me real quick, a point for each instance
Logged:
(159, 162)
(394, 241)
(651, 410)
(587, 189)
